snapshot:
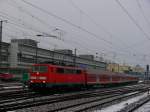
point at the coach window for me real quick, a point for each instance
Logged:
(60, 70)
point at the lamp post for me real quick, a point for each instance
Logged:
(45, 35)
(96, 57)
(75, 53)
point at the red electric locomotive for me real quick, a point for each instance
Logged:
(48, 75)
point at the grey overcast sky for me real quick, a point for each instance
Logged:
(118, 30)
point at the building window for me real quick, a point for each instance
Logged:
(4, 58)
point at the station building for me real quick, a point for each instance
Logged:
(21, 53)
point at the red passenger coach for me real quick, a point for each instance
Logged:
(48, 75)
(6, 76)
(109, 78)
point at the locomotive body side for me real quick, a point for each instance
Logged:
(69, 76)
(56, 76)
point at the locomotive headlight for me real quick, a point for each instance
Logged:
(32, 77)
(42, 78)
(43, 81)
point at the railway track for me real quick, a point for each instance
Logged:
(89, 105)
(139, 104)
(10, 86)
(17, 97)
(8, 94)
(16, 93)
(76, 98)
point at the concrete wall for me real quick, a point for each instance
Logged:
(13, 54)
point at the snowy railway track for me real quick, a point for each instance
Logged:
(61, 99)
(137, 105)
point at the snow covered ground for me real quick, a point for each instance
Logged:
(144, 108)
(119, 106)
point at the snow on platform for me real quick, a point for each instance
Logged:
(119, 106)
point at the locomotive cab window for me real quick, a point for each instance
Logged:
(72, 71)
(41, 69)
(69, 71)
(35, 68)
(60, 70)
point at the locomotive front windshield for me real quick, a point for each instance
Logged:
(40, 69)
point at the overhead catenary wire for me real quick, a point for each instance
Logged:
(103, 28)
(33, 35)
(93, 21)
(14, 3)
(68, 41)
(23, 25)
(97, 24)
(72, 24)
(18, 25)
(142, 11)
(30, 15)
(68, 22)
(27, 13)
(132, 19)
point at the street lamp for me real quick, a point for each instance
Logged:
(45, 35)
(75, 55)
